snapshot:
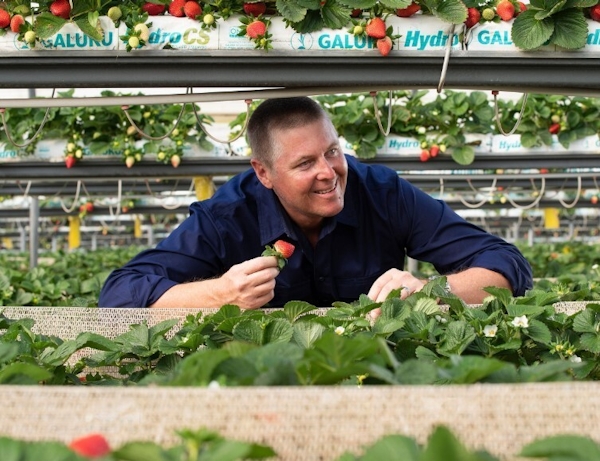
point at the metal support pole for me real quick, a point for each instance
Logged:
(530, 237)
(22, 239)
(94, 242)
(34, 240)
(150, 236)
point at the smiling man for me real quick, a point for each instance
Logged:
(352, 225)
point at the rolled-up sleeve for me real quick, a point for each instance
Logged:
(440, 236)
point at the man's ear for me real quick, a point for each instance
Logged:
(262, 173)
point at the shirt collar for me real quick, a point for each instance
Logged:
(274, 222)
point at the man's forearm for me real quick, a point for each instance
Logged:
(469, 284)
(199, 294)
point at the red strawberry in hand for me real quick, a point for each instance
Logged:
(408, 11)
(384, 45)
(61, 9)
(255, 9)
(282, 250)
(376, 28)
(91, 446)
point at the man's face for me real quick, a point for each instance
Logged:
(309, 172)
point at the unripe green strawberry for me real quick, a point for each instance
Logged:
(175, 160)
(555, 118)
(208, 19)
(114, 13)
(488, 14)
(143, 30)
(129, 161)
(78, 153)
(30, 37)
(133, 42)
(358, 30)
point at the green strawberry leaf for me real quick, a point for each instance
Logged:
(528, 33)
(312, 22)
(335, 15)
(306, 333)
(90, 26)
(291, 11)
(463, 155)
(452, 11)
(395, 4)
(549, 9)
(391, 448)
(47, 25)
(579, 3)
(443, 444)
(23, 373)
(564, 447)
(359, 4)
(570, 29)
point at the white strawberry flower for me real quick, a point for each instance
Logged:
(575, 359)
(214, 385)
(421, 130)
(595, 266)
(340, 330)
(490, 331)
(520, 322)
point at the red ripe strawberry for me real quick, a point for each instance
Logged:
(192, 9)
(61, 9)
(256, 29)
(376, 28)
(91, 446)
(595, 12)
(255, 9)
(554, 128)
(408, 11)
(286, 249)
(473, 17)
(176, 8)
(384, 45)
(4, 19)
(175, 160)
(505, 9)
(153, 9)
(434, 150)
(424, 155)
(356, 12)
(544, 170)
(522, 7)
(16, 22)
(594, 199)
(89, 207)
(69, 161)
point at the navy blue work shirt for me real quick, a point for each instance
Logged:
(384, 219)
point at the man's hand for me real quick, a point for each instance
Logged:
(393, 280)
(390, 281)
(249, 285)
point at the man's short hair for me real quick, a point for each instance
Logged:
(276, 114)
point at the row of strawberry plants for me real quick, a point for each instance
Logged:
(413, 341)
(204, 445)
(536, 23)
(569, 270)
(440, 126)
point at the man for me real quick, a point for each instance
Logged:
(352, 225)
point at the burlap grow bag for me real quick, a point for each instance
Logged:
(300, 423)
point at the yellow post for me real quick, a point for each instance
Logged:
(74, 232)
(205, 187)
(551, 219)
(137, 227)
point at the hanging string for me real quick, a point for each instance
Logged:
(27, 188)
(37, 133)
(378, 115)
(446, 60)
(497, 114)
(115, 214)
(577, 196)
(156, 138)
(75, 200)
(532, 204)
(476, 205)
(228, 141)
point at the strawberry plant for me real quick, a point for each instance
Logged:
(551, 23)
